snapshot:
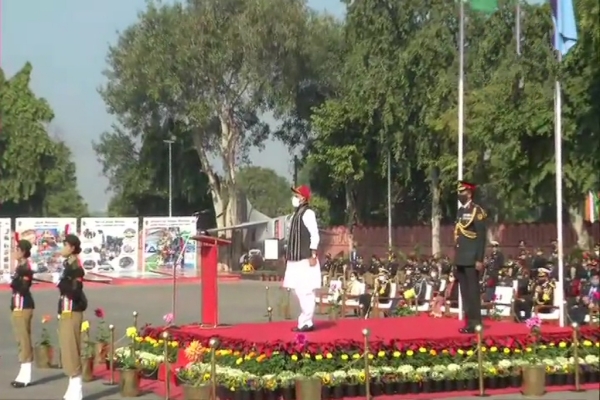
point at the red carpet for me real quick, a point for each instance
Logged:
(407, 332)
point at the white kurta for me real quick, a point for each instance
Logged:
(299, 275)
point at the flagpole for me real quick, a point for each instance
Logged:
(461, 111)
(518, 27)
(559, 183)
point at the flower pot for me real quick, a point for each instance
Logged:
(549, 380)
(272, 394)
(402, 387)
(288, 393)
(129, 383)
(560, 379)
(376, 389)
(100, 353)
(414, 387)
(362, 390)
(437, 386)
(515, 381)
(87, 369)
(389, 388)
(461, 384)
(503, 382)
(351, 390)
(256, 394)
(43, 356)
(337, 392)
(472, 384)
(325, 392)
(449, 385)
(534, 380)
(490, 382)
(570, 379)
(308, 388)
(150, 374)
(242, 395)
(201, 392)
(427, 387)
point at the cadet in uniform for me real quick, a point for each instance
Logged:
(470, 239)
(22, 306)
(72, 303)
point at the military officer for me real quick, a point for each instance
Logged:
(72, 303)
(470, 244)
(22, 306)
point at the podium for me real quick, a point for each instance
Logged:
(209, 258)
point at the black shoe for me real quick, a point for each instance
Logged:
(305, 328)
(467, 330)
(19, 385)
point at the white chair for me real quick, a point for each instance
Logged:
(552, 315)
(388, 304)
(503, 298)
(427, 298)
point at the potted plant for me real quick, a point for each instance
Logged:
(534, 373)
(389, 381)
(490, 376)
(129, 373)
(102, 338)
(271, 387)
(44, 352)
(351, 384)
(195, 382)
(87, 353)
(415, 382)
(287, 382)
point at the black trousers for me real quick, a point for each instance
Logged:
(468, 282)
(523, 309)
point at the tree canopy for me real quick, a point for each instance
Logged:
(37, 174)
(377, 89)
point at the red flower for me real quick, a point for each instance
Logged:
(597, 295)
(99, 313)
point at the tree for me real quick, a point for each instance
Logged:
(138, 174)
(214, 66)
(38, 176)
(267, 191)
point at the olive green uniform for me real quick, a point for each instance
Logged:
(22, 306)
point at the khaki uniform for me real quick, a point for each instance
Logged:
(21, 323)
(69, 340)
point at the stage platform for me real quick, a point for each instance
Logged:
(397, 333)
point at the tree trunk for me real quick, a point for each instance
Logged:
(577, 222)
(436, 213)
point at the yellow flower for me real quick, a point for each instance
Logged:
(506, 350)
(139, 339)
(552, 344)
(329, 356)
(543, 346)
(597, 343)
(562, 345)
(410, 353)
(318, 357)
(483, 349)
(422, 350)
(396, 354)
(493, 349)
(131, 332)
(470, 353)
(528, 350)
(370, 356)
(261, 358)
(344, 357)
(174, 343)
(361, 376)
(517, 351)
(206, 376)
(326, 379)
(445, 351)
(587, 343)
(381, 354)
(306, 355)
(294, 357)
(432, 352)
(85, 326)
(461, 351)
(241, 360)
(492, 371)
(356, 356)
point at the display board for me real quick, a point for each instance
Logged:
(6, 238)
(110, 246)
(46, 236)
(164, 239)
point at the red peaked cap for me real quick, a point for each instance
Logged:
(303, 191)
(464, 185)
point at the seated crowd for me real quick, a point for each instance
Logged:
(530, 279)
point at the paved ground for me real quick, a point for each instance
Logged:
(239, 302)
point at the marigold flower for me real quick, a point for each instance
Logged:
(85, 326)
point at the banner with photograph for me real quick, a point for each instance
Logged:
(6, 239)
(164, 241)
(110, 246)
(46, 236)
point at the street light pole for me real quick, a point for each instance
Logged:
(170, 143)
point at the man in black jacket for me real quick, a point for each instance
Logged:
(470, 243)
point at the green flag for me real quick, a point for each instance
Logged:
(484, 6)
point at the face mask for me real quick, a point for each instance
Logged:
(434, 275)
(597, 252)
(451, 279)
(381, 279)
(295, 202)
(352, 278)
(595, 283)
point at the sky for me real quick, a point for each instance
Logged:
(67, 41)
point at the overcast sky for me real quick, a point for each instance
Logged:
(66, 41)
